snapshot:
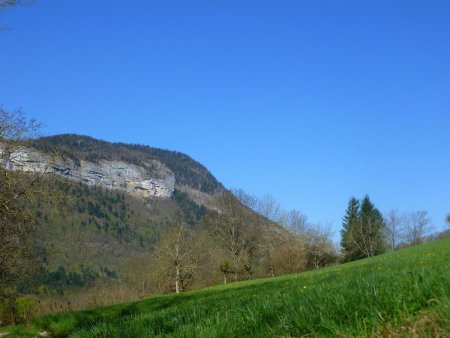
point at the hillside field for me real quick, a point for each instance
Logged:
(401, 294)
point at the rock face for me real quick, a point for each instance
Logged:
(151, 180)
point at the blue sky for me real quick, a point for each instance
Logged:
(310, 101)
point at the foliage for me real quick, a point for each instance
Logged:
(60, 280)
(363, 233)
(26, 307)
(349, 221)
(8, 309)
(17, 309)
(98, 229)
(191, 211)
(359, 299)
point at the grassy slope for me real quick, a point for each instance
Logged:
(357, 299)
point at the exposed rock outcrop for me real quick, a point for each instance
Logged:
(151, 180)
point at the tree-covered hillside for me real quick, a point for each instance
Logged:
(90, 236)
(100, 231)
(96, 246)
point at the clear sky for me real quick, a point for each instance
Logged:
(310, 101)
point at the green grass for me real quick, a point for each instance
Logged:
(362, 298)
(4, 329)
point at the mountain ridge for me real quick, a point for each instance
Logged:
(187, 171)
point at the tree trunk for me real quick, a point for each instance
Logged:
(290, 269)
(272, 270)
(177, 280)
(224, 278)
(177, 272)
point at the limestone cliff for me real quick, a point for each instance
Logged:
(152, 179)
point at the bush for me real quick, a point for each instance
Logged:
(26, 307)
(7, 311)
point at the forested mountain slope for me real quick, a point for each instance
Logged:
(117, 202)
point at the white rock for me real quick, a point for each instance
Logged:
(139, 181)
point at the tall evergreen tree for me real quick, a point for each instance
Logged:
(363, 230)
(349, 222)
(373, 229)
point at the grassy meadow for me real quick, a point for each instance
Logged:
(401, 294)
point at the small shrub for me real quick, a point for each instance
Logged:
(26, 307)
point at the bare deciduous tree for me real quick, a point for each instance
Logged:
(416, 226)
(248, 261)
(227, 268)
(292, 254)
(18, 191)
(137, 273)
(393, 221)
(232, 221)
(176, 257)
(365, 237)
(295, 222)
(269, 207)
(245, 198)
(308, 246)
(270, 211)
(319, 247)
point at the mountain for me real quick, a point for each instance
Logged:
(115, 202)
(137, 169)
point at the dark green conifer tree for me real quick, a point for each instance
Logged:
(349, 222)
(373, 229)
(363, 233)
